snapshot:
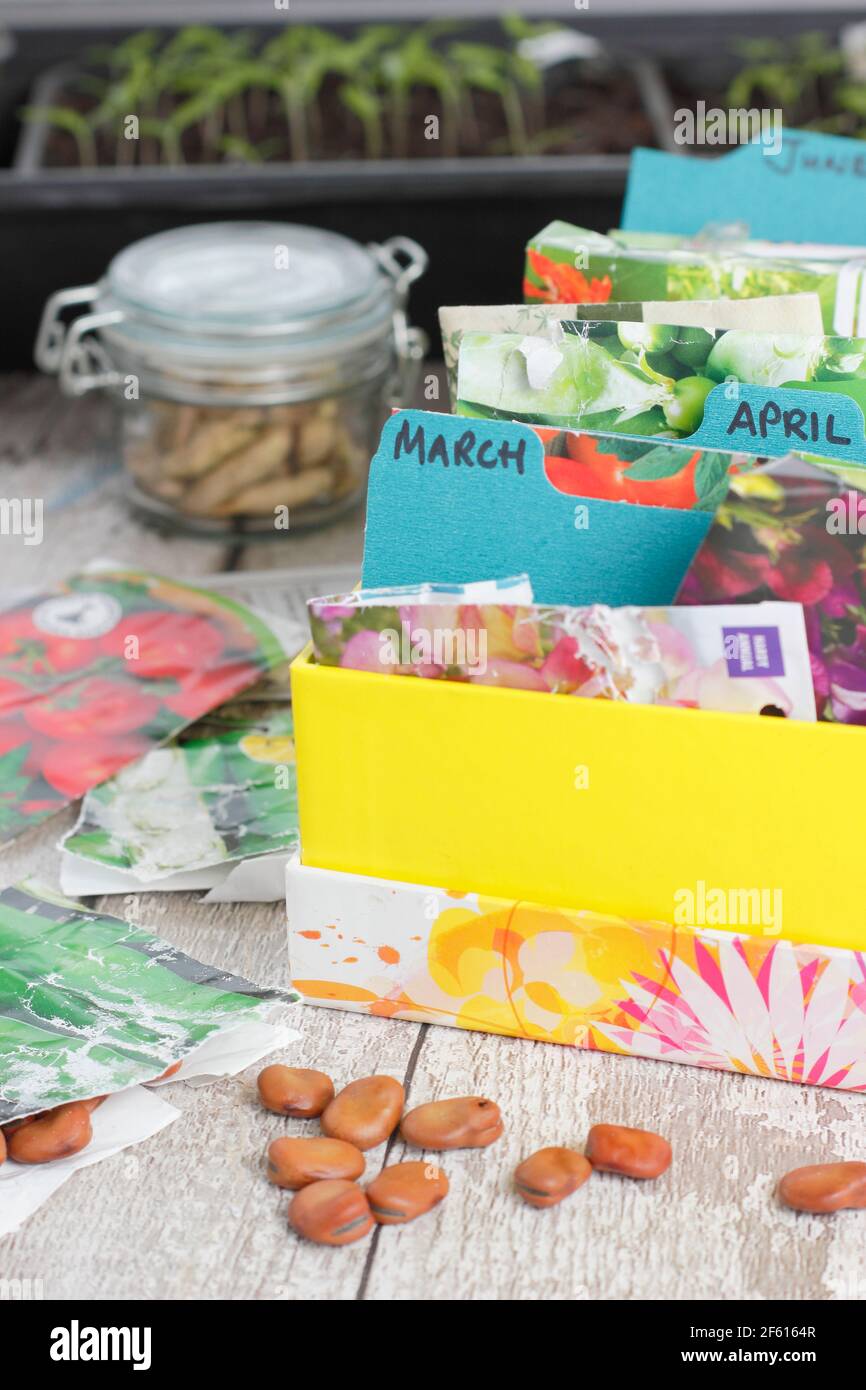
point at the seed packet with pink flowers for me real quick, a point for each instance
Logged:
(708, 658)
(797, 532)
(750, 659)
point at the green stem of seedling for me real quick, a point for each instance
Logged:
(400, 122)
(296, 120)
(513, 108)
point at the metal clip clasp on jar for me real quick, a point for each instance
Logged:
(79, 360)
(404, 262)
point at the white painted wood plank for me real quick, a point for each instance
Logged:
(708, 1229)
(189, 1213)
(63, 452)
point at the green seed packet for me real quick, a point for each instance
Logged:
(226, 792)
(565, 263)
(90, 1004)
(645, 379)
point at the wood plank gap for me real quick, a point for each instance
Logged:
(407, 1086)
(233, 557)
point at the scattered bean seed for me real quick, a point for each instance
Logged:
(466, 1122)
(822, 1187)
(634, 1153)
(549, 1175)
(365, 1112)
(331, 1213)
(296, 1091)
(294, 1163)
(56, 1134)
(406, 1190)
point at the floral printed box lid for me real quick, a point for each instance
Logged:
(744, 1002)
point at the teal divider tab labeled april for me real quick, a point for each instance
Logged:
(774, 421)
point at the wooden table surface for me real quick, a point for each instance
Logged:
(188, 1213)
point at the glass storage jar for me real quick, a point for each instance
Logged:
(252, 365)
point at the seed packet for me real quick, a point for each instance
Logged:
(129, 1116)
(107, 667)
(90, 1005)
(568, 263)
(797, 533)
(516, 589)
(792, 313)
(645, 379)
(710, 658)
(202, 801)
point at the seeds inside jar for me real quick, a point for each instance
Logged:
(225, 462)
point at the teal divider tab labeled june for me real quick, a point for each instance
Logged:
(805, 186)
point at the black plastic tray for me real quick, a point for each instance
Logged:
(472, 215)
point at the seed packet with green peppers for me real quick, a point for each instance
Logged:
(642, 379)
(90, 1005)
(792, 313)
(226, 792)
(565, 263)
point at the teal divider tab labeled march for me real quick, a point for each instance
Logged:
(455, 500)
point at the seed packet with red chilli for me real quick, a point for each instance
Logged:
(650, 472)
(109, 665)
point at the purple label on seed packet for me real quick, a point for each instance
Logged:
(753, 651)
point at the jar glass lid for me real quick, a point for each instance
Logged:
(233, 280)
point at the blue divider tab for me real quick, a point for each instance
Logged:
(452, 499)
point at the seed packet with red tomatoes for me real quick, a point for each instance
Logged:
(106, 667)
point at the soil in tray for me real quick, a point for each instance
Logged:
(805, 76)
(582, 117)
(579, 109)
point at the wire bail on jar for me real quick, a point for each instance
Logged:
(404, 262)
